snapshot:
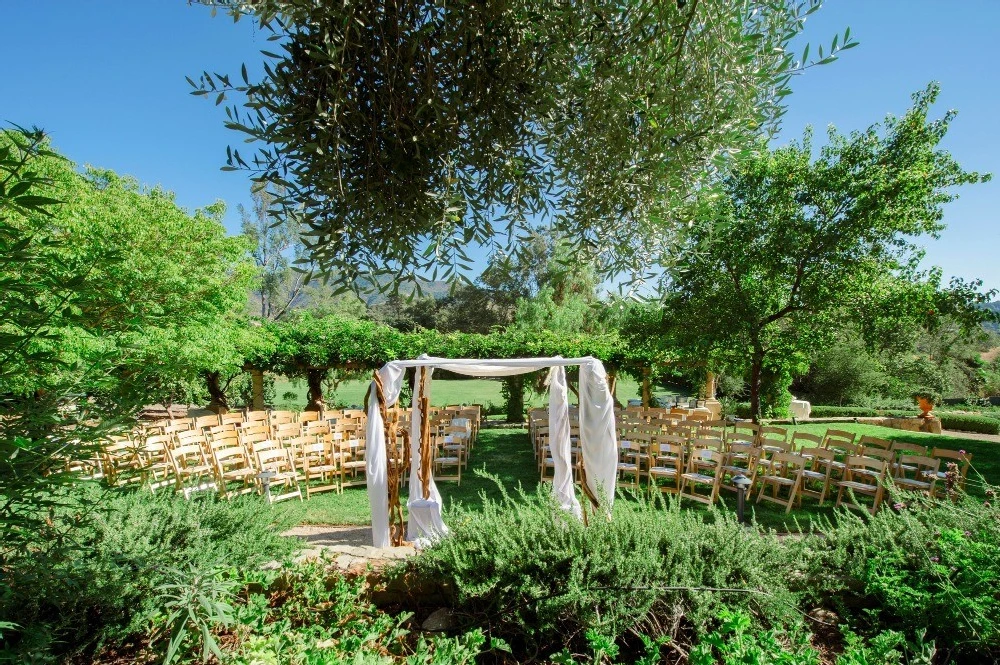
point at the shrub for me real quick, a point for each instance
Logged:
(917, 566)
(842, 412)
(969, 423)
(545, 579)
(104, 590)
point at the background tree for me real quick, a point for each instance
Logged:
(104, 283)
(275, 246)
(603, 116)
(793, 248)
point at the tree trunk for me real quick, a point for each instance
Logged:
(756, 367)
(218, 402)
(256, 390)
(314, 379)
(647, 392)
(710, 385)
(514, 392)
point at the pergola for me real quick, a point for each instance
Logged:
(597, 440)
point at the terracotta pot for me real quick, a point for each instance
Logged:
(926, 406)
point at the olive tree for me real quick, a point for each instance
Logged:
(406, 131)
(789, 247)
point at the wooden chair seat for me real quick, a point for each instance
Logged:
(698, 477)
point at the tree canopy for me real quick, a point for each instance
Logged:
(405, 130)
(796, 247)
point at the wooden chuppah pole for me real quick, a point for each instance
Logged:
(396, 461)
(425, 436)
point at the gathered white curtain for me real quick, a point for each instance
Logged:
(597, 437)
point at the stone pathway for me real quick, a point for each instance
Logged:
(348, 547)
(975, 436)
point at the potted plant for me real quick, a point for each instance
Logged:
(926, 399)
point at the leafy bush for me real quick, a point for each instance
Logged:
(544, 579)
(104, 590)
(920, 565)
(968, 423)
(735, 642)
(307, 613)
(842, 412)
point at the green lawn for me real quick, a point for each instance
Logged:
(291, 393)
(507, 455)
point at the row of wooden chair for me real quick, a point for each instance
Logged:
(682, 464)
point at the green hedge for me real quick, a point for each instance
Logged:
(842, 412)
(967, 423)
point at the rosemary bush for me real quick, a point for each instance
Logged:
(543, 579)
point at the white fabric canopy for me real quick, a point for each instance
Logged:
(597, 437)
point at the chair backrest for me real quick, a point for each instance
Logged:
(309, 416)
(667, 449)
(822, 458)
(190, 437)
(920, 464)
(179, 426)
(774, 445)
(280, 417)
(806, 440)
(221, 440)
(225, 458)
(785, 463)
(772, 432)
(879, 453)
(316, 428)
(187, 456)
(707, 444)
(158, 443)
(960, 457)
(231, 418)
(744, 432)
(838, 434)
(219, 429)
(274, 459)
(672, 439)
(902, 448)
(707, 456)
(255, 417)
(286, 430)
(855, 462)
(842, 446)
(868, 441)
(204, 422)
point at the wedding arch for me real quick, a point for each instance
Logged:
(597, 442)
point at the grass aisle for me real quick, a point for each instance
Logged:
(506, 454)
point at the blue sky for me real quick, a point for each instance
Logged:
(106, 79)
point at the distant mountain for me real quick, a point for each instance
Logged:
(995, 308)
(435, 289)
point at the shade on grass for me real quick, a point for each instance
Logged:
(507, 455)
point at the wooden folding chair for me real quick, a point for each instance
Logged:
(961, 459)
(320, 464)
(786, 473)
(628, 462)
(232, 465)
(704, 468)
(741, 460)
(277, 469)
(667, 463)
(443, 459)
(869, 483)
(924, 473)
(192, 470)
(819, 470)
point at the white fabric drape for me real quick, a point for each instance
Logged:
(597, 437)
